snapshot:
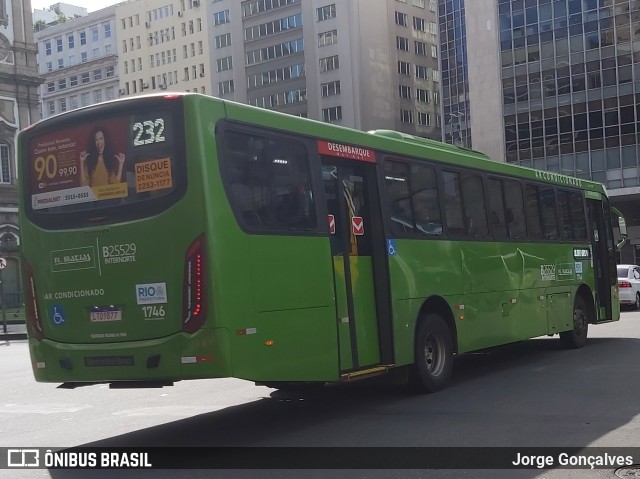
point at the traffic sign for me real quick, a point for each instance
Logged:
(3, 263)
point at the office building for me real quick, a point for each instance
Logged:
(553, 85)
(78, 62)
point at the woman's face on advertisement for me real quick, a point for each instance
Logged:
(100, 142)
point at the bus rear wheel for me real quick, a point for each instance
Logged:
(433, 355)
(577, 337)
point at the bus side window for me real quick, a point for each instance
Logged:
(452, 200)
(578, 218)
(426, 203)
(532, 212)
(549, 213)
(566, 225)
(514, 214)
(497, 221)
(399, 200)
(269, 182)
(474, 206)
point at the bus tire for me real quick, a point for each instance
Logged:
(577, 337)
(433, 353)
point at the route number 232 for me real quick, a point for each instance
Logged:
(148, 132)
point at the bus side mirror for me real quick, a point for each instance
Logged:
(622, 226)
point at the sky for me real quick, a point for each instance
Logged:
(90, 5)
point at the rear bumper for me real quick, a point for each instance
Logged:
(204, 354)
(627, 296)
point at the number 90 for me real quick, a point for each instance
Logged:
(48, 166)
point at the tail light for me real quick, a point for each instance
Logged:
(193, 293)
(624, 284)
(34, 321)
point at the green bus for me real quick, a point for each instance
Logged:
(179, 236)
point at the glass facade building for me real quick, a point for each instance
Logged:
(570, 86)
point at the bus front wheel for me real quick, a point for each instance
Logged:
(433, 355)
(577, 337)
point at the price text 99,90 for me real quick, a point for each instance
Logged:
(148, 132)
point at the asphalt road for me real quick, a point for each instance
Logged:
(523, 395)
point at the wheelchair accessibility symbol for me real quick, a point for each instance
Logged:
(56, 314)
(391, 247)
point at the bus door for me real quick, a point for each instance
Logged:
(356, 247)
(603, 251)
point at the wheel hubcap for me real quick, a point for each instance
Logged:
(434, 355)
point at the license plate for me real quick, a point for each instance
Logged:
(101, 316)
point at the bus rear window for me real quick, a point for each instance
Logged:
(112, 167)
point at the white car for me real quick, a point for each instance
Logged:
(629, 284)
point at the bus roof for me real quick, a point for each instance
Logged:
(399, 143)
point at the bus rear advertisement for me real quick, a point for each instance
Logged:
(171, 237)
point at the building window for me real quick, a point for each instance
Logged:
(434, 51)
(63, 104)
(422, 95)
(404, 68)
(47, 48)
(275, 51)
(218, 18)
(94, 34)
(327, 38)
(107, 30)
(51, 87)
(329, 63)
(424, 119)
(60, 63)
(110, 93)
(62, 84)
(72, 40)
(74, 101)
(97, 74)
(419, 24)
(225, 87)
(276, 26)
(224, 64)
(418, 3)
(73, 81)
(406, 116)
(83, 38)
(402, 44)
(59, 44)
(401, 19)
(85, 78)
(330, 88)
(327, 12)
(52, 107)
(222, 40)
(332, 114)
(97, 96)
(421, 48)
(49, 66)
(83, 57)
(111, 71)
(422, 72)
(405, 92)
(5, 171)
(84, 99)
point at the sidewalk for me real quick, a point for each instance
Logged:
(14, 331)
